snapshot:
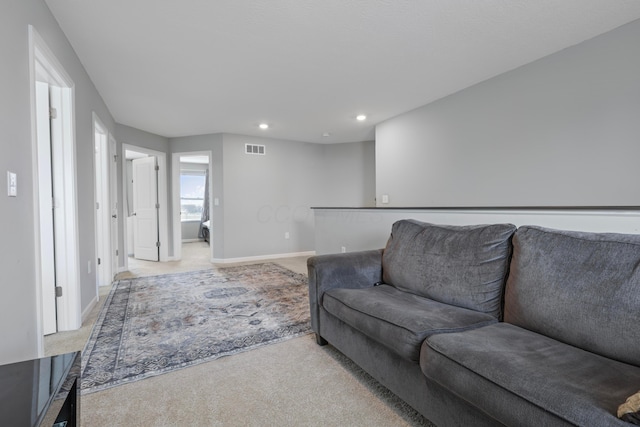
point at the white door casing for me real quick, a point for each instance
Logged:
(175, 196)
(45, 196)
(145, 208)
(104, 272)
(113, 186)
(44, 67)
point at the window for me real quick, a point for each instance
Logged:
(192, 185)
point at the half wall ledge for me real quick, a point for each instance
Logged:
(349, 229)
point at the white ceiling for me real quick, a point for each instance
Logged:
(306, 67)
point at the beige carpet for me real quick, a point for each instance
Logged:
(293, 383)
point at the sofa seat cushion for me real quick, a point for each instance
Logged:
(399, 320)
(523, 378)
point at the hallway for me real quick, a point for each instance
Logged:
(195, 256)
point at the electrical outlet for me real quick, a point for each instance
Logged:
(385, 198)
(12, 184)
(343, 249)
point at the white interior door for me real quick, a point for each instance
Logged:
(104, 274)
(45, 196)
(145, 209)
(113, 186)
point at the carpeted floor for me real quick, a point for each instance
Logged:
(157, 324)
(291, 383)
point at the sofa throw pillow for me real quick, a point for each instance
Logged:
(629, 411)
(459, 265)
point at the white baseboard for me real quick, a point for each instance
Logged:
(261, 257)
(87, 310)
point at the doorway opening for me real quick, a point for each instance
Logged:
(145, 226)
(55, 200)
(105, 204)
(193, 228)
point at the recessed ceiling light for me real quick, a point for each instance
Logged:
(263, 126)
(361, 117)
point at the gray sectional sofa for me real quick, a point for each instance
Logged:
(489, 325)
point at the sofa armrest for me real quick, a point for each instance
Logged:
(349, 270)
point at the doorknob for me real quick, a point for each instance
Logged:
(114, 216)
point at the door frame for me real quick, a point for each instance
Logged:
(113, 194)
(163, 224)
(177, 224)
(102, 195)
(64, 176)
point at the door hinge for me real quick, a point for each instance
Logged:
(97, 205)
(157, 244)
(53, 113)
(58, 291)
(116, 252)
(115, 158)
(157, 167)
(99, 261)
(157, 205)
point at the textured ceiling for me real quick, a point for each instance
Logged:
(306, 67)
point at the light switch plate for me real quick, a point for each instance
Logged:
(12, 184)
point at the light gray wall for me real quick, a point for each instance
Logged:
(262, 197)
(266, 196)
(348, 174)
(562, 131)
(190, 230)
(193, 166)
(18, 308)
(132, 136)
(366, 229)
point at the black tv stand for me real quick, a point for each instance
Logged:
(41, 392)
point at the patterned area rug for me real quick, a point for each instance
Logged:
(157, 324)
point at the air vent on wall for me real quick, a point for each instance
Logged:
(254, 149)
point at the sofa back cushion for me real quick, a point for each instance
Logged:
(580, 288)
(464, 266)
